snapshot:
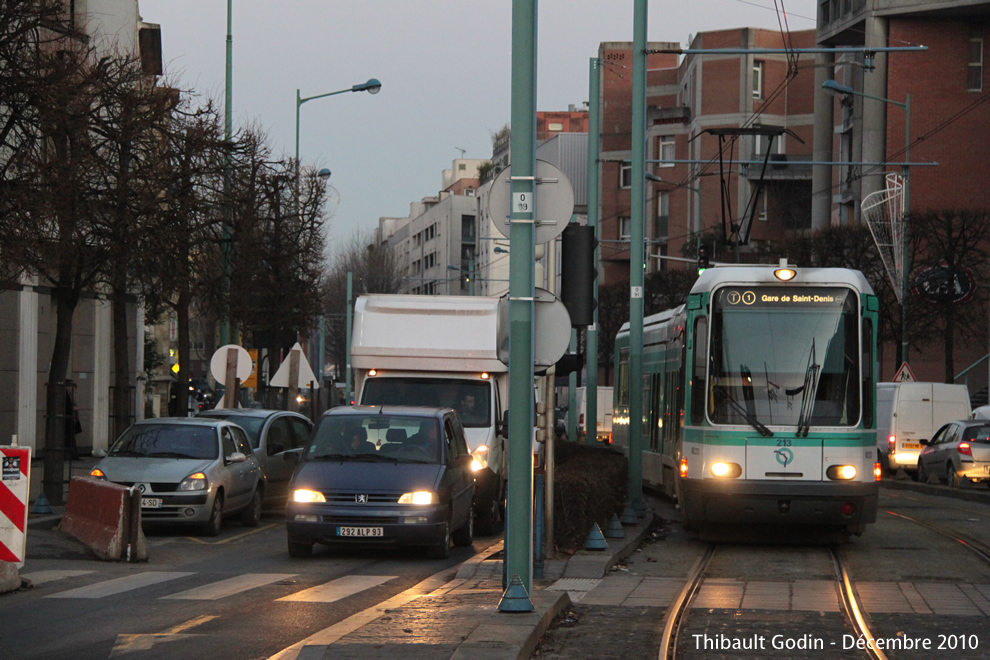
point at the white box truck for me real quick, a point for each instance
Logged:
(909, 412)
(603, 431)
(440, 351)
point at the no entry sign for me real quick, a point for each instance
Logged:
(15, 479)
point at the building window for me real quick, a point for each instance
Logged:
(761, 205)
(974, 69)
(625, 175)
(663, 212)
(625, 227)
(666, 151)
(555, 126)
(763, 143)
(757, 80)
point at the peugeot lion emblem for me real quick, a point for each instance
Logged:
(361, 499)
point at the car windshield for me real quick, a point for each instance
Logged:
(167, 441)
(249, 423)
(398, 438)
(470, 398)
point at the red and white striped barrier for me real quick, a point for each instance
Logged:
(15, 480)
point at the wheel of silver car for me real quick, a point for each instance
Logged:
(952, 477)
(922, 473)
(464, 536)
(251, 516)
(441, 550)
(215, 522)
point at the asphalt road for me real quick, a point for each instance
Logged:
(238, 595)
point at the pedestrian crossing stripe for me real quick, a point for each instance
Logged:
(230, 586)
(328, 592)
(338, 589)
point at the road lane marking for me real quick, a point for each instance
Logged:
(120, 585)
(41, 577)
(145, 642)
(230, 586)
(338, 589)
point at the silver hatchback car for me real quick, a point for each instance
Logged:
(957, 454)
(189, 470)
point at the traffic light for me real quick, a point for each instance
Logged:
(703, 262)
(578, 270)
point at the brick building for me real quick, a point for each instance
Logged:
(696, 107)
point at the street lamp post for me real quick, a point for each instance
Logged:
(835, 88)
(373, 86)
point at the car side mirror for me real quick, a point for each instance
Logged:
(502, 425)
(925, 442)
(237, 457)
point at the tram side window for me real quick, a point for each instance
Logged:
(700, 365)
(867, 367)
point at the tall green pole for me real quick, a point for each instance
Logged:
(471, 274)
(636, 261)
(519, 507)
(591, 335)
(227, 133)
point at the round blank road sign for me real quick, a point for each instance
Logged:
(218, 363)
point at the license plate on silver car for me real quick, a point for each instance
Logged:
(151, 502)
(359, 531)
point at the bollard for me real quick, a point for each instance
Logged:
(595, 540)
(614, 529)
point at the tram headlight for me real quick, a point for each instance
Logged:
(726, 470)
(841, 472)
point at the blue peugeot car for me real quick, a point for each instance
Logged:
(383, 476)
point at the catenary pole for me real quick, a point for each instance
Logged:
(519, 507)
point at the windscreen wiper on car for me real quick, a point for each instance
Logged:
(739, 408)
(352, 457)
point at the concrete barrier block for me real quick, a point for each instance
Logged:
(9, 579)
(98, 514)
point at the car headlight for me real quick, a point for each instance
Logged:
(195, 481)
(479, 458)
(419, 497)
(306, 495)
(97, 473)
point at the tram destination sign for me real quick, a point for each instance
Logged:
(776, 297)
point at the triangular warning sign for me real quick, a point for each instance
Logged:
(303, 378)
(904, 374)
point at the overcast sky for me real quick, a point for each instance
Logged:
(444, 65)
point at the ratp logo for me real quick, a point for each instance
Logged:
(784, 456)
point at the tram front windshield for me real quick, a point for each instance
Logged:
(784, 356)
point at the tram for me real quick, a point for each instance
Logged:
(759, 398)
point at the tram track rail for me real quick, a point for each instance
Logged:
(979, 549)
(678, 610)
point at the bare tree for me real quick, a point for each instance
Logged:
(53, 192)
(374, 269)
(950, 260)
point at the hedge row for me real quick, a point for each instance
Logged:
(589, 487)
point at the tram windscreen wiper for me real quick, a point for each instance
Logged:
(739, 408)
(810, 387)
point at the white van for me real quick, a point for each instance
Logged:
(908, 413)
(603, 425)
